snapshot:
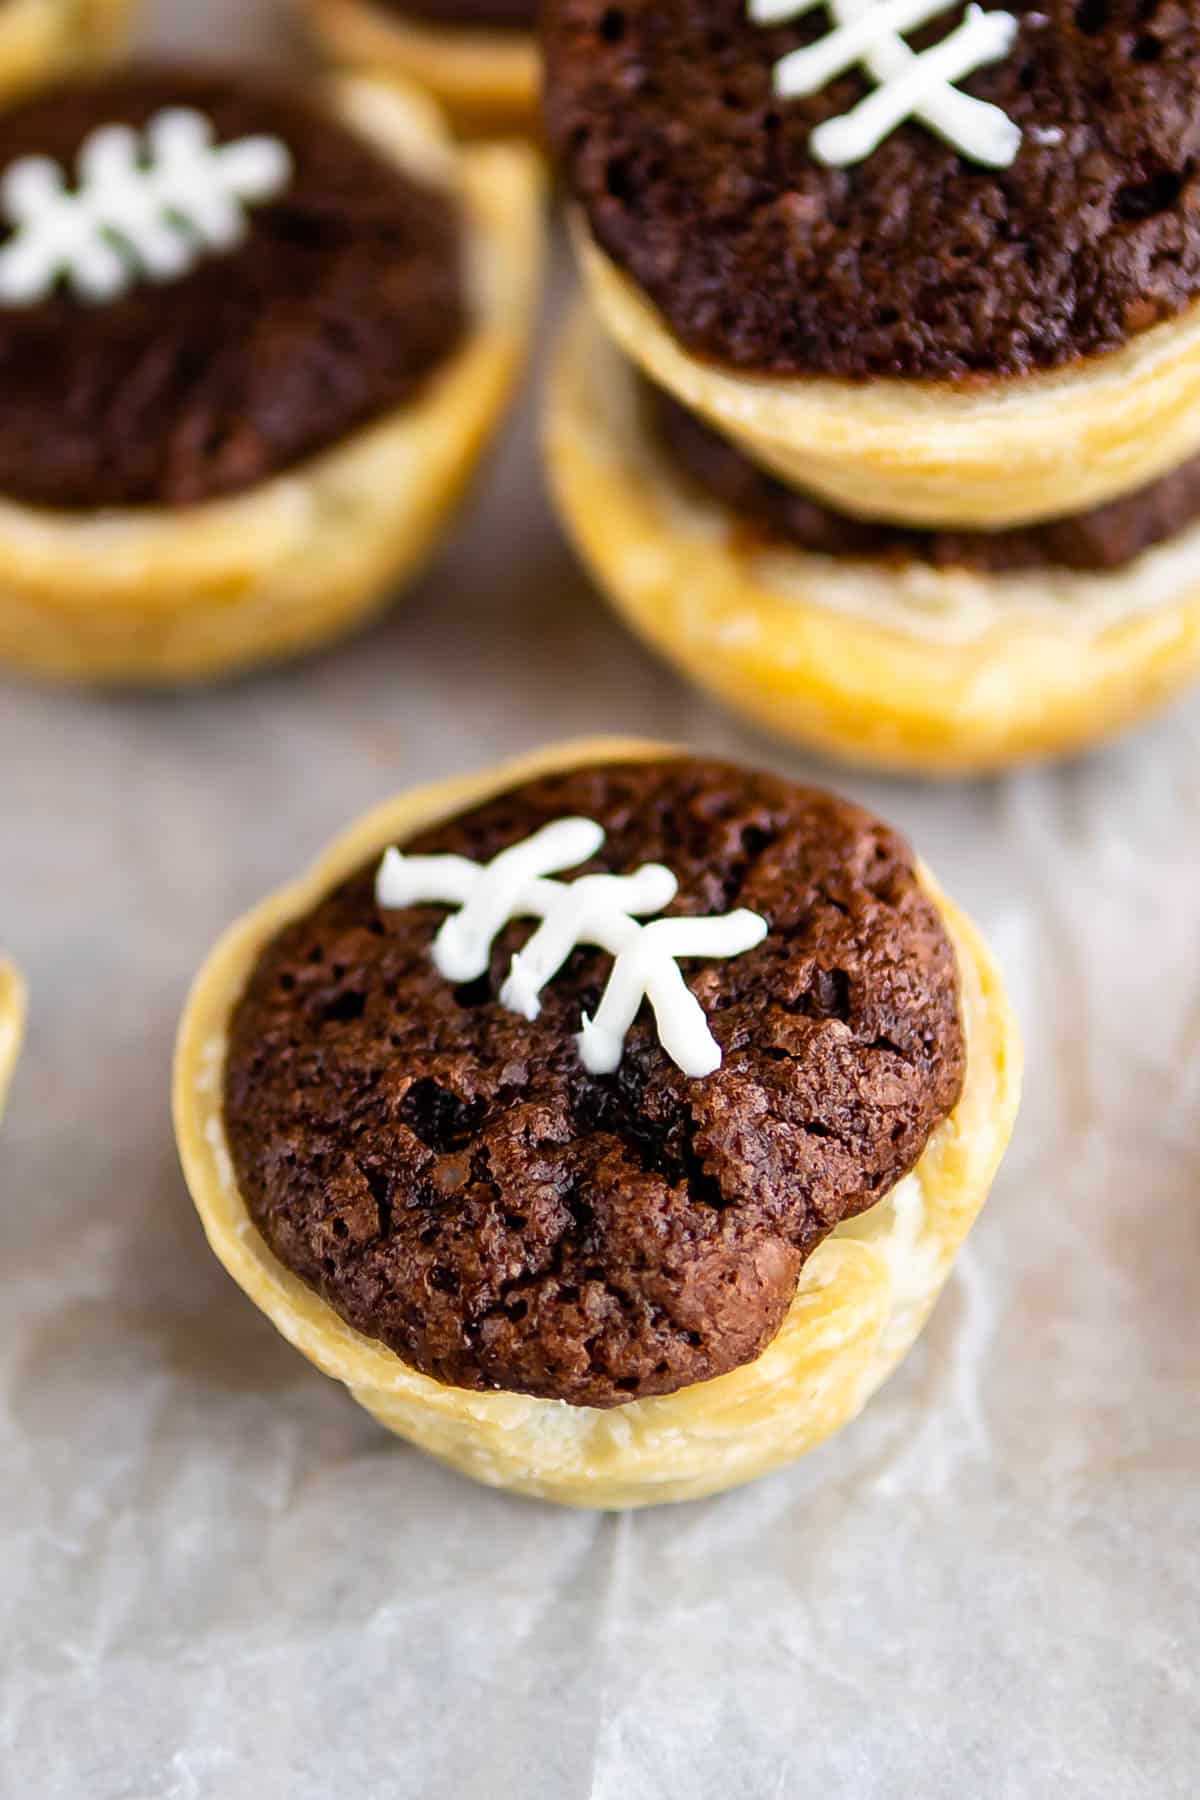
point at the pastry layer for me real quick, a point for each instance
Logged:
(1107, 537)
(40, 39)
(153, 593)
(862, 1298)
(452, 1180)
(12, 1024)
(699, 182)
(942, 455)
(488, 77)
(942, 670)
(346, 294)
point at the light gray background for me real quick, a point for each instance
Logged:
(220, 1579)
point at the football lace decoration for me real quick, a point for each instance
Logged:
(148, 206)
(908, 85)
(602, 910)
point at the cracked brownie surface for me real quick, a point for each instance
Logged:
(455, 1184)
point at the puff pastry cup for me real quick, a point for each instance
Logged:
(862, 1299)
(487, 80)
(12, 1024)
(40, 39)
(945, 671)
(1001, 453)
(157, 593)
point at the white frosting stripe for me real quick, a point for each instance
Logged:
(603, 910)
(464, 943)
(598, 909)
(991, 138)
(647, 969)
(869, 32)
(147, 206)
(814, 66)
(778, 12)
(957, 117)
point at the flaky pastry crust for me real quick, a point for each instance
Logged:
(486, 80)
(989, 455)
(42, 39)
(946, 671)
(12, 1024)
(862, 1299)
(156, 593)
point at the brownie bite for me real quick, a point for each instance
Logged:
(453, 1181)
(699, 181)
(346, 293)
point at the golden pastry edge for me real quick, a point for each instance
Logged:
(12, 1024)
(41, 40)
(488, 81)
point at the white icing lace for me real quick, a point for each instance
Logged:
(147, 206)
(909, 85)
(603, 910)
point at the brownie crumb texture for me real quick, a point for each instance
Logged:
(455, 1184)
(698, 180)
(345, 294)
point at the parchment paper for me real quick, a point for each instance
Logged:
(220, 1579)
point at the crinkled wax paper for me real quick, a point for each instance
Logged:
(220, 1579)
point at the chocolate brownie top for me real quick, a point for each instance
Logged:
(453, 1181)
(1107, 537)
(505, 15)
(346, 292)
(699, 182)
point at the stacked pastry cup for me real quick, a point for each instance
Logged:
(937, 670)
(906, 660)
